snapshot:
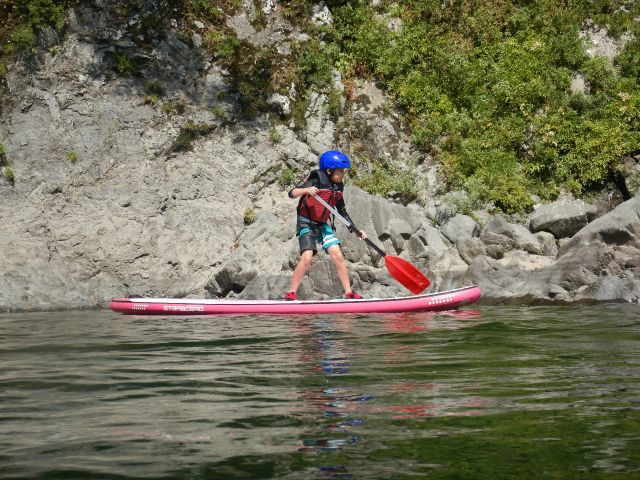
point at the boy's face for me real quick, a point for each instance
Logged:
(337, 175)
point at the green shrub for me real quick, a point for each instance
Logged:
(315, 61)
(599, 74)
(485, 87)
(334, 97)
(10, 175)
(154, 87)
(23, 37)
(214, 10)
(287, 176)
(72, 156)
(385, 180)
(45, 12)
(222, 44)
(249, 216)
(188, 133)
(296, 11)
(126, 65)
(628, 58)
(150, 100)
(259, 20)
(299, 110)
(219, 112)
(274, 135)
(250, 70)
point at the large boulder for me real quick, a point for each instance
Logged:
(562, 218)
(522, 238)
(471, 248)
(460, 227)
(600, 263)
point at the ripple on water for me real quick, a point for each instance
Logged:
(497, 392)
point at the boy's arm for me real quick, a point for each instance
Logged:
(309, 186)
(342, 210)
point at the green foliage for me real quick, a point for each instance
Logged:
(599, 74)
(21, 22)
(298, 111)
(334, 98)
(45, 12)
(628, 58)
(251, 72)
(214, 10)
(315, 62)
(154, 87)
(274, 135)
(23, 37)
(222, 44)
(173, 107)
(249, 216)
(259, 20)
(296, 11)
(386, 180)
(288, 176)
(488, 84)
(72, 156)
(10, 175)
(151, 100)
(126, 65)
(188, 133)
(219, 112)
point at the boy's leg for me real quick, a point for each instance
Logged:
(338, 259)
(301, 269)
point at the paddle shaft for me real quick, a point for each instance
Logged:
(405, 273)
(349, 224)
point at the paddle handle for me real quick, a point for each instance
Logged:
(375, 247)
(349, 224)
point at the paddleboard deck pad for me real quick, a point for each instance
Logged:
(187, 306)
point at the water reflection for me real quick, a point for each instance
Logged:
(327, 350)
(412, 322)
(444, 402)
(329, 354)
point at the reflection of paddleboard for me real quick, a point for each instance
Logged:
(187, 306)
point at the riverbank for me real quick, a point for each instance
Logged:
(137, 167)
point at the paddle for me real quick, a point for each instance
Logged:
(408, 275)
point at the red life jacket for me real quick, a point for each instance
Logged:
(330, 192)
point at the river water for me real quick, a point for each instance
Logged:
(496, 392)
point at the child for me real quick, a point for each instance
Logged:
(312, 226)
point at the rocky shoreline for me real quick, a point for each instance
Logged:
(103, 205)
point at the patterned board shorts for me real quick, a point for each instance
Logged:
(310, 234)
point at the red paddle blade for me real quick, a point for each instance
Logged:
(408, 275)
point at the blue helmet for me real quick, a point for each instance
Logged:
(334, 159)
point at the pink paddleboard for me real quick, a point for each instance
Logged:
(187, 306)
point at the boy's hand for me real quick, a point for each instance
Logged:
(312, 190)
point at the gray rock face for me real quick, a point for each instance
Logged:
(600, 263)
(132, 215)
(522, 238)
(460, 227)
(321, 14)
(562, 218)
(471, 248)
(320, 127)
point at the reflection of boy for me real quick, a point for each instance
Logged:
(312, 225)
